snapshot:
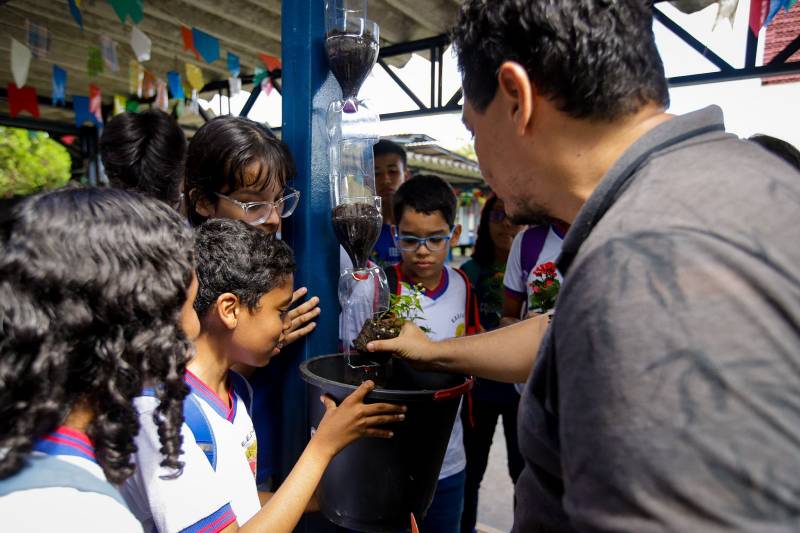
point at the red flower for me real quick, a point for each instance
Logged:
(548, 282)
(537, 289)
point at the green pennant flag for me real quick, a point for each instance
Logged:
(95, 62)
(132, 106)
(123, 8)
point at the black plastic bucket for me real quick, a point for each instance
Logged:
(374, 484)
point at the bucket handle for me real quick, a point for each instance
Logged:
(454, 392)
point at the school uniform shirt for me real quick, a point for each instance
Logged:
(201, 498)
(65, 508)
(444, 311)
(521, 263)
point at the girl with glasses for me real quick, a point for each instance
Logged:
(237, 169)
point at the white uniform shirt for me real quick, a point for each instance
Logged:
(202, 498)
(517, 281)
(64, 508)
(444, 309)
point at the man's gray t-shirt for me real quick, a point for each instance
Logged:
(666, 395)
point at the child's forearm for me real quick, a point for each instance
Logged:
(284, 508)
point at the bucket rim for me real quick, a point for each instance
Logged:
(377, 393)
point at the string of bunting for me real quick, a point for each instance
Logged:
(143, 83)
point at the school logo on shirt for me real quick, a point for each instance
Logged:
(250, 445)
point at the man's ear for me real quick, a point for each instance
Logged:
(516, 92)
(456, 236)
(227, 308)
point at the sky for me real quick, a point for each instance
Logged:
(748, 106)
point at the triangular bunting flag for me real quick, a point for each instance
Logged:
(76, 13)
(194, 76)
(206, 45)
(38, 39)
(270, 61)
(80, 104)
(132, 106)
(59, 86)
(96, 103)
(22, 99)
(20, 62)
(175, 86)
(108, 49)
(162, 98)
(135, 77)
(140, 43)
(234, 67)
(120, 102)
(148, 85)
(125, 8)
(188, 41)
(95, 62)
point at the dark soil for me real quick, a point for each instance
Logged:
(376, 330)
(351, 58)
(357, 227)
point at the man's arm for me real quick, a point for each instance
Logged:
(505, 354)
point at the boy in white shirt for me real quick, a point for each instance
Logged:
(245, 290)
(425, 207)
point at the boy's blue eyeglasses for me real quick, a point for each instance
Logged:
(409, 243)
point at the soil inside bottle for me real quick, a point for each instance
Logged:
(357, 227)
(351, 58)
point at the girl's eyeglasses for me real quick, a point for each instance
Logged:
(409, 243)
(256, 213)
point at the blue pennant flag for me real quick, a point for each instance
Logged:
(59, 86)
(80, 104)
(233, 65)
(76, 13)
(175, 85)
(206, 45)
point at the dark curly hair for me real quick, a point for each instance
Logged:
(596, 59)
(92, 282)
(234, 257)
(144, 152)
(425, 193)
(220, 152)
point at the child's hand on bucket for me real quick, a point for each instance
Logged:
(412, 345)
(353, 419)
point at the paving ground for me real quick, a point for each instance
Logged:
(496, 498)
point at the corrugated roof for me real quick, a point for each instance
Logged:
(244, 27)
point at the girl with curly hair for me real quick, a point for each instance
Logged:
(96, 295)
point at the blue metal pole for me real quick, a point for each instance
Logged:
(307, 91)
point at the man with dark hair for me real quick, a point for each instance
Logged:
(391, 170)
(779, 147)
(145, 152)
(662, 396)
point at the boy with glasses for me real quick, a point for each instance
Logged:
(425, 208)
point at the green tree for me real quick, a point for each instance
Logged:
(31, 162)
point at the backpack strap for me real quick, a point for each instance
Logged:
(46, 471)
(472, 323)
(393, 276)
(198, 423)
(531, 248)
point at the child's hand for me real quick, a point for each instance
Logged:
(353, 419)
(301, 317)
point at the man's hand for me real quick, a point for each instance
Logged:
(412, 344)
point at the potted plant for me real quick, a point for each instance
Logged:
(387, 325)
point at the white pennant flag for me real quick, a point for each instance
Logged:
(140, 44)
(20, 62)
